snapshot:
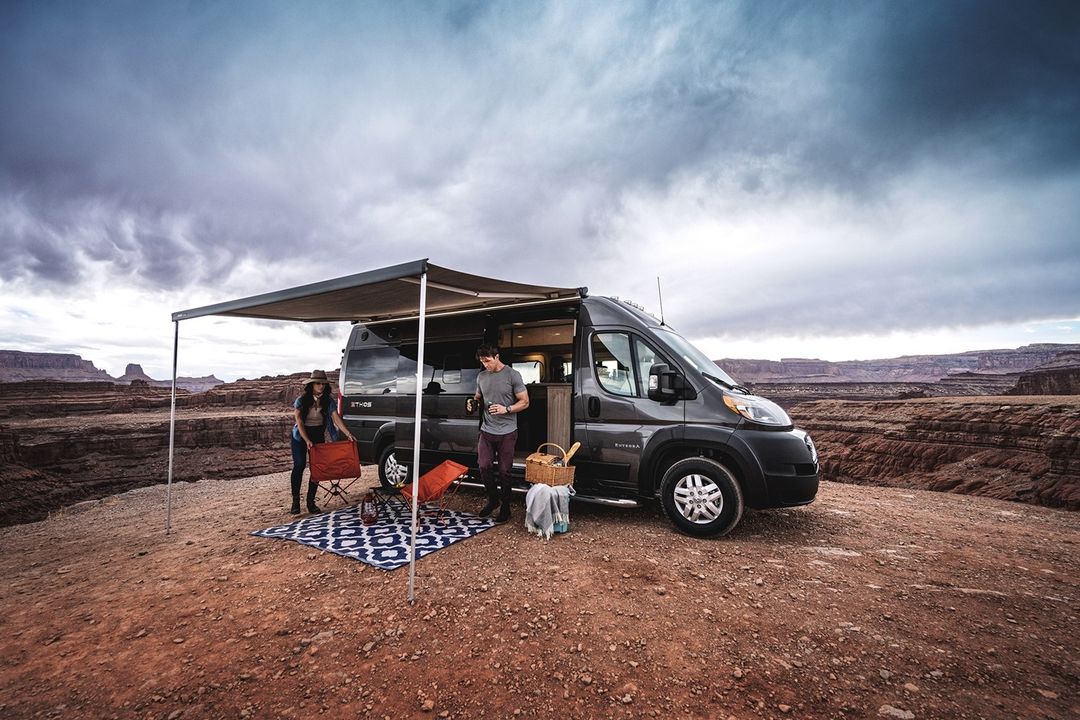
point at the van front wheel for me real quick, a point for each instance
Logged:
(392, 474)
(702, 497)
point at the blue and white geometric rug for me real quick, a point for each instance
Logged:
(385, 544)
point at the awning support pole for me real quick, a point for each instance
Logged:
(416, 436)
(172, 429)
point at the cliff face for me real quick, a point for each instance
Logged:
(44, 398)
(910, 368)
(16, 366)
(1061, 376)
(1024, 449)
(278, 391)
(63, 442)
(1060, 381)
(134, 373)
(65, 399)
(46, 466)
(790, 395)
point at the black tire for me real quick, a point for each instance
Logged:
(392, 474)
(702, 497)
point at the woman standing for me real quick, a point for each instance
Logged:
(316, 418)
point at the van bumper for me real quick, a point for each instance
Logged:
(788, 466)
(789, 490)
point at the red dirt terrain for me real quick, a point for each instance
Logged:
(869, 603)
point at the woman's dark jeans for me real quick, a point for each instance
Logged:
(317, 433)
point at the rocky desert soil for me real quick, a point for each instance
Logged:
(869, 603)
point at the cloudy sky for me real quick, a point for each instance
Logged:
(836, 180)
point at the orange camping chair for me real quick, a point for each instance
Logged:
(335, 466)
(435, 484)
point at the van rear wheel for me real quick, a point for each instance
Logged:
(392, 474)
(702, 497)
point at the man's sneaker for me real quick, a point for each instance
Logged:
(504, 514)
(295, 509)
(491, 506)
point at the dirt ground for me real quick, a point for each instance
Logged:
(869, 603)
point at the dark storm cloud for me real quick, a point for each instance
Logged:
(985, 77)
(857, 93)
(50, 259)
(176, 143)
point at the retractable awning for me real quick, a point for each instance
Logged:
(409, 290)
(386, 293)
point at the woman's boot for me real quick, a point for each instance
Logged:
(311, 506)
(295, 509)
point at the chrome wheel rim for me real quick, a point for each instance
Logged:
(394, 471)
(698, 498)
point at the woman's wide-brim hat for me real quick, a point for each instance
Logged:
(317, 376)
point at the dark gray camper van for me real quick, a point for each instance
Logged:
(655, 417)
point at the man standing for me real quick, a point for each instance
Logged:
(501, 394)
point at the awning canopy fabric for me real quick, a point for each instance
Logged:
(386, 293)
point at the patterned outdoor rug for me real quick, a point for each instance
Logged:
(385, 544)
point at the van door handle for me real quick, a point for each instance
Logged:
(594, 406)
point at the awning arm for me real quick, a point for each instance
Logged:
(172, 429)
(416, 437)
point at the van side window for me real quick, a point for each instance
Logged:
(613, 363)
(531, 370)
(450, 367)
(459, 366)
(646, 358)
(370, 371)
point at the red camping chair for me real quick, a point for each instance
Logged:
(335, 466)
(435, 484)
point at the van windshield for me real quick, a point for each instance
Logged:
(692, 355)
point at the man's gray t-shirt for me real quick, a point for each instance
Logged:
(500, 388)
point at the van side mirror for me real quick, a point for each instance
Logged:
(663, 382)
(667, 385)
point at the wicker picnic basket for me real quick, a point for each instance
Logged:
(542, 468)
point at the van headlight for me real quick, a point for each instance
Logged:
(757, 409)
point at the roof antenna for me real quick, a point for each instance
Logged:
(661, 296)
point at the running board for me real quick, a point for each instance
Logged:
(592, 499)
